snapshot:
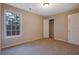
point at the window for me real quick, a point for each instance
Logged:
(12, 24)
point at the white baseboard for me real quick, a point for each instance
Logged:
(15, 44)
(61, 40)
(67, 42)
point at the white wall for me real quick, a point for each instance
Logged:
(45, 28)
(32, 27)
(61, 24)
(61, 27)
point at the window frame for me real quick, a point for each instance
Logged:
(12, 36)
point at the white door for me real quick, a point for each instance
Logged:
(46, 28)
(73, 28)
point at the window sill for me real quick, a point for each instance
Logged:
(17, 36)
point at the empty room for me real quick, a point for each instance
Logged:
(39, 28)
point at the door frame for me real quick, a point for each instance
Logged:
(46, 28)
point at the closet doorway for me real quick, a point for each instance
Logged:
(51, 28)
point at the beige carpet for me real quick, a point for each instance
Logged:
(42, 47)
